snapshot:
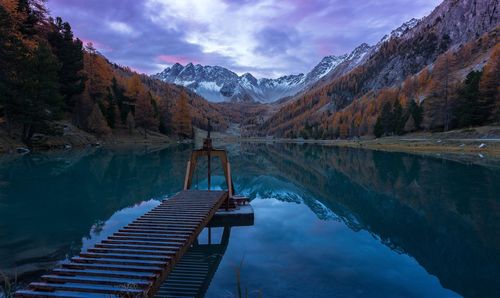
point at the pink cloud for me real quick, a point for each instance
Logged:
(324, 48)
(97, 45)
(171, 59)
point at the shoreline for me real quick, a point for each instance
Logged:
(481, 143)
(450, 146)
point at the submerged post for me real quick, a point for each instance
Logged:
(207, 145)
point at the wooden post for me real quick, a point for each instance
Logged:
(229, 180)
(229, 185)
(186, 178)
(209, 169)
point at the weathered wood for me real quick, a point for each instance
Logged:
(124, 256)
(96, 280)
(75, 287)
(105, 273)
(135, 260)
(59, 294)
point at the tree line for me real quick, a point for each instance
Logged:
(48, 75)
(460, 89)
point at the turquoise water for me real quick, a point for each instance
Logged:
(329, 222)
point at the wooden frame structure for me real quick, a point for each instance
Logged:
(209, 152)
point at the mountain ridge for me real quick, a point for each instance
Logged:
(219, 84)
(409, 50)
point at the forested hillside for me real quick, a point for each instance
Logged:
(48, 78)
(442, 74)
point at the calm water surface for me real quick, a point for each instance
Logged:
(329, 222)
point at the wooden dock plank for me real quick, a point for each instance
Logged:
(136, 259)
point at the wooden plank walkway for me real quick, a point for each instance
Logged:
(134, 261)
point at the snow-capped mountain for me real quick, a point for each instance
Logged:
(218, 84)
(326, 65)
(398, 32)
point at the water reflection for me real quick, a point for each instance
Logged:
(328, 220)
(50, 201)
(444, 214)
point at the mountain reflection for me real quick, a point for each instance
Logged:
(444, 214)
(50, 201)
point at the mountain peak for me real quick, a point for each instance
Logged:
(401, 30)
(217, 83)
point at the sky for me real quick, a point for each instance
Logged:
(267, 38)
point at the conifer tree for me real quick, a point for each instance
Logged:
(96, 123)
(165, 117)
(182, 118)
(70, 53)
(416, 112)
(439, 106)
(398, 119)
(144, 114)
(130, 123)
(122, 102)
(469, 111)
(489, 88)
(111, 110)
(40, 100)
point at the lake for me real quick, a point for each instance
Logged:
(329, 222)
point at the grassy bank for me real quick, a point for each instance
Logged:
(480, 143)
(72, 137)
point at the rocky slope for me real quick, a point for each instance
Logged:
(406, 51)
(218, 84)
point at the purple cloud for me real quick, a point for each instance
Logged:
(264, 37)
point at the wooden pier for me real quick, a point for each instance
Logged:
(134, 261)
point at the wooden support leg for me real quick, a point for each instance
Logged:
(186, 178)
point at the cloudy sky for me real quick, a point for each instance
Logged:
(264, 37)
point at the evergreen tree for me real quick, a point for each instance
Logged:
(398, 119)
(378, 129)
(165, 125)
(130, 123)
(13, 53)
(387, 120)
(33, 13)
(70, 53)
(40, 100)
(111, 111)
(416, 112)
(469, 111)
(122, 102)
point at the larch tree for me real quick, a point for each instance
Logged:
(84, 105)
(98, 72)
(134, 91)
(439, 105)
(96, 123)
(182, 118)
(489, 88)
(144, 114)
